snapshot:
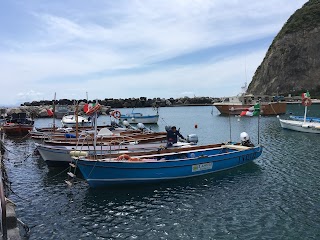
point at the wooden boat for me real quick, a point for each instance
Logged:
(176, 164)
(61, 133)
(18, 125)
(235, 105)
(57, 152)
(58, 156)
(88, 137)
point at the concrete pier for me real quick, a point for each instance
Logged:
(9, 221)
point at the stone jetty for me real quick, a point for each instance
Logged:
(38, 109)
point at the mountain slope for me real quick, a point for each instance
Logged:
(292, 62)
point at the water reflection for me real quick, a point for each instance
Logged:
(268, 197)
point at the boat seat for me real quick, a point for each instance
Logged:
(237, 147)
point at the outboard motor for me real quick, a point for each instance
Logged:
(167, 128)
(192, 138)
(140, 126)
(245, 140)
(125, 123)
(113, 123)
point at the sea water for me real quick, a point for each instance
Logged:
(275, 197)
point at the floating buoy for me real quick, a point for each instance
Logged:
(78, 154)
(196, 126)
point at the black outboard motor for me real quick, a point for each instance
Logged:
(167, 128)
(245, 140)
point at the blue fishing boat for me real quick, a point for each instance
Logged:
(136, 117)
(184, 163)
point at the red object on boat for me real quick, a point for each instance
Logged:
(18, 125)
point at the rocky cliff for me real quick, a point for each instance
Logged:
(292, 62)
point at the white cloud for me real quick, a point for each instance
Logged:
(74, 42)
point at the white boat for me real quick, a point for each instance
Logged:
(133, 118)
(302, 124)
(70, 121)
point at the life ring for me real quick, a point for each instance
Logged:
(94, 109)
(116, 114)
(306, 102)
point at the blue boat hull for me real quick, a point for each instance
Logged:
(104, 173)
(308, 119)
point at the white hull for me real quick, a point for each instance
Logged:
(70, 121)
(60, 155)
(149, 119)
(300, 126)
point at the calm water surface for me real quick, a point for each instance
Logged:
(275, 197)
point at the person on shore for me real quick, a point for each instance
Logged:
(172, 136)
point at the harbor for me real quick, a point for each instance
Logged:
(125, 120)
(249, 202)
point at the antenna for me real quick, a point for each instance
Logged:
(244, 88)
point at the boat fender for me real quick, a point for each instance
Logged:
(78, 154)
(116, 114)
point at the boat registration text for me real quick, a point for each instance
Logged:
(201, 167)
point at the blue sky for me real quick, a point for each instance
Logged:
(132, 48)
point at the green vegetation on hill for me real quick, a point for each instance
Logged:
(305, 18)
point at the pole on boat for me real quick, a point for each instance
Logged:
(54, 113)
(77, 120)
(306, 101)
(259, 129)
(305, 114)
(95, 128)
(231, 109)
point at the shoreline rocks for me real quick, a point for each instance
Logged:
(38, 109)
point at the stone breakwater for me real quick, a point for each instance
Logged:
(42, 111)
(38, 109)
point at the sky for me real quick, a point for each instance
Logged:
(133, 48)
